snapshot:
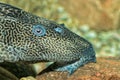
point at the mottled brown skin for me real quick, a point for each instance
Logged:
(28, 38)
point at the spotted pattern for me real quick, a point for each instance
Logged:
(19, 43)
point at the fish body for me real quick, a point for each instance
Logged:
(25, 37)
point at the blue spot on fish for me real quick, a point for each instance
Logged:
(59, 30)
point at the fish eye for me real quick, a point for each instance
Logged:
(38, 30)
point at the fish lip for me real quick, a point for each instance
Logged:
(89, 55)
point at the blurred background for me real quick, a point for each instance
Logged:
(98, 21)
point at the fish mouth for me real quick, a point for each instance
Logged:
(89, 55)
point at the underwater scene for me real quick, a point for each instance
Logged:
(97, 22)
